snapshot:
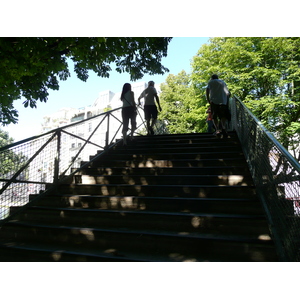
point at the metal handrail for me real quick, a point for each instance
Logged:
(51, 151)
(270, 136)
(276, 175)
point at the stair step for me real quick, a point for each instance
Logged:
(182, 221)
(165, 142)
(136, 163)
(32, 252)
(168, 155)
(186, 136)
(187, 191)
(230, 247)
(193, 205)
(173, 151)
(165, 179)
(212, 170)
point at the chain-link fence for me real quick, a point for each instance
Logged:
(26, 167)
(277, 178)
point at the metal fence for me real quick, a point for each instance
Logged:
(277, 178)
(26, 167)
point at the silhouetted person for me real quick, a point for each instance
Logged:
(150, 109)
(217, 95)
(209, 120)
(128, 111)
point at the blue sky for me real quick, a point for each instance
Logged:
(75, 93)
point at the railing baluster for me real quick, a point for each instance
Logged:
(107, 130)
(57, 157)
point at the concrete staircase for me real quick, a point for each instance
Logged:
(160, 198)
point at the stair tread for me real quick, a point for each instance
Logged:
(149, 212)
(171, 175)
(182, 235)
(161, 185)
(184, 159)
(108, 254)
(254, 199)
(176, 167)
(149, 152)
(57, 251)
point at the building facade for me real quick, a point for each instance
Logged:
(76, 136)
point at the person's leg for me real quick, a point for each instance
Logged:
(125, 118)
(148, 126)
(147, 111)
(223, 120)
(215, 118)
(154, 114)
(133, 126)
(133, 121)
(209, 126)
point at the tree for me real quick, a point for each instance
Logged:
(262, 72)
(9, 160)
(31, 66)
(182, 109)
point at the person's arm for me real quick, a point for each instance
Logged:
(134, 104)
(157, 101)
(207, 95)
(227, 91)
(140, 97)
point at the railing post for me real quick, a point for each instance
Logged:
(107, 130)
(57, 157)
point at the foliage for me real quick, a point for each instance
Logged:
(275, 114)
(263, 72)
(5, 139)
(31, 66)
(9, 160)
(182, 110)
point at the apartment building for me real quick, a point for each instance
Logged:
(81, 131)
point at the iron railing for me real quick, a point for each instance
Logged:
(29, 166)
(276, 175)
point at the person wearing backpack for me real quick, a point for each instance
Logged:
(217, 95)
(150, 109)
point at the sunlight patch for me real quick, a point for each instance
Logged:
(56, 256)
(88, 234)
(264, 237)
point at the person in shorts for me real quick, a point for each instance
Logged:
(150, 109)
(217, 95)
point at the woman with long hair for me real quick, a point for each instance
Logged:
(128, 110)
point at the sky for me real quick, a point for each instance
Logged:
(76, 93)
(186, 23)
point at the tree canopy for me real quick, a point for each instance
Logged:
(9, 160)
(263, 72)
(31, 66)
(182, 109)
